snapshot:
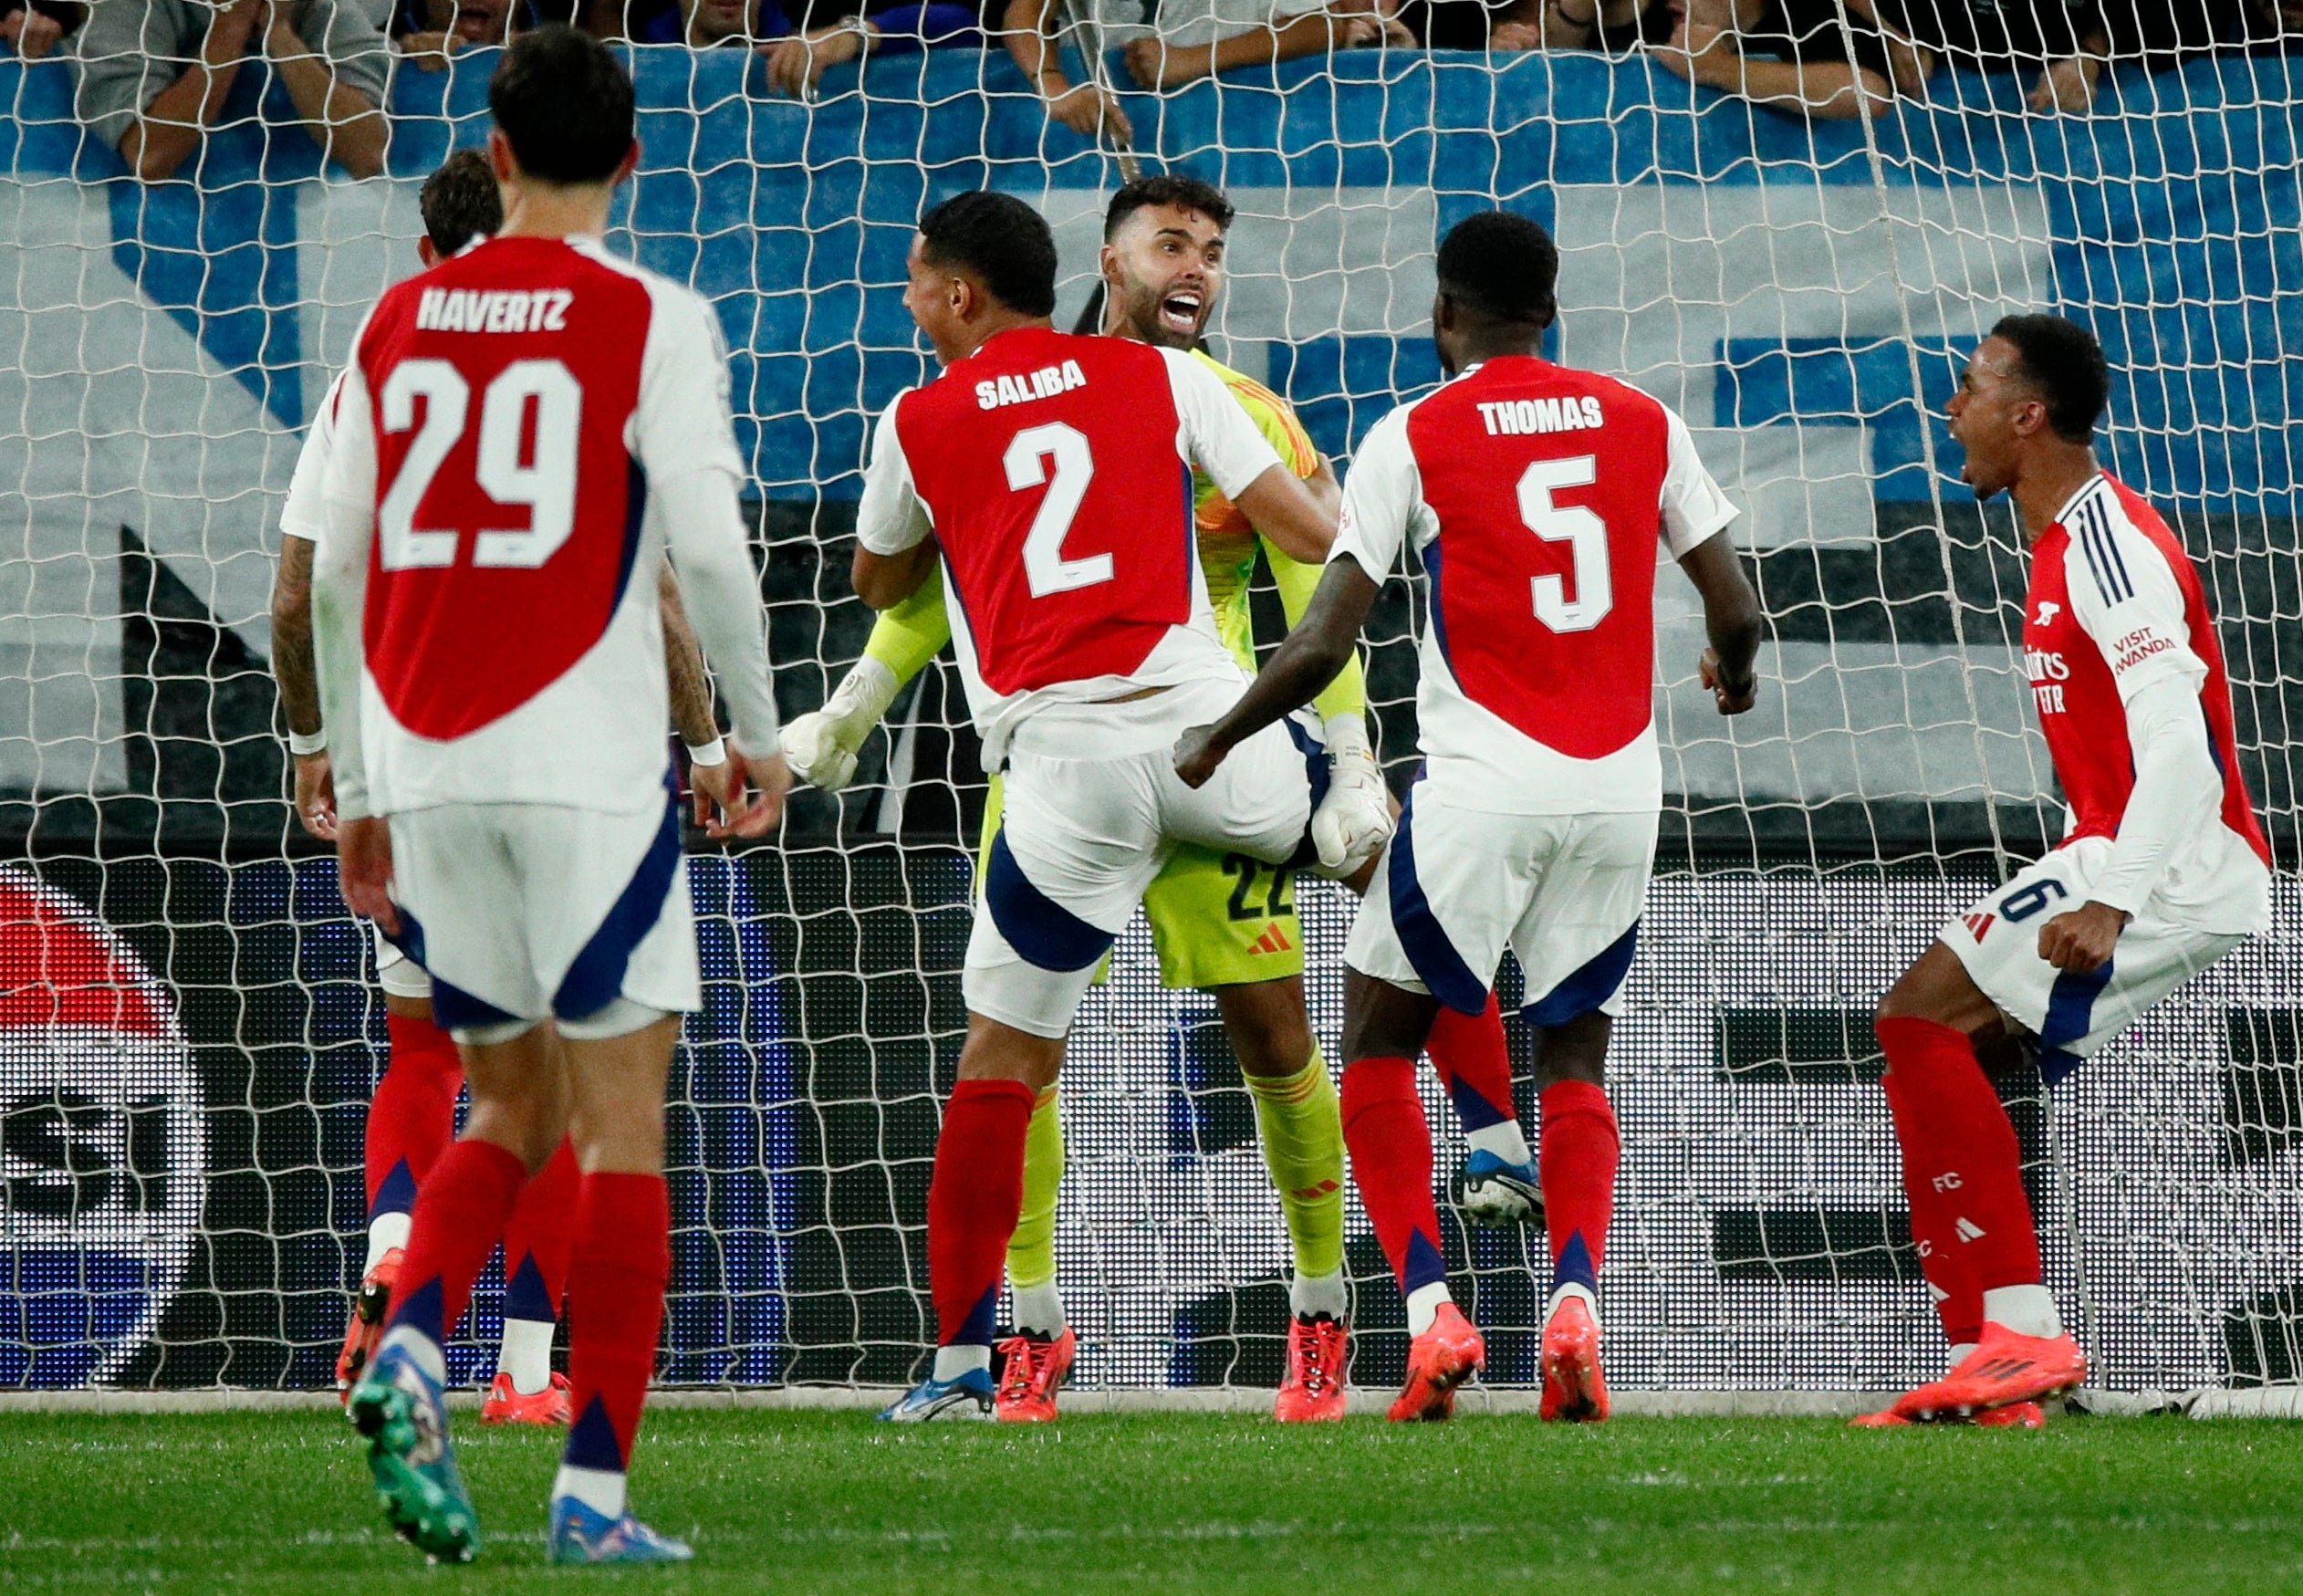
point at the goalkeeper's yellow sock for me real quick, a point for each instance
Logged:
(1031, 1251)
(906, 636)
(1302, 1130)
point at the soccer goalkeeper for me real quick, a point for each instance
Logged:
(1224, 923)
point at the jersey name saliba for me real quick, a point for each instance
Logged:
(1515, 418)
(493, 310)
(1044, 384)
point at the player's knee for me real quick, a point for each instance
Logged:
(997, 1051)
(1269, 1030)
(1576, 1049)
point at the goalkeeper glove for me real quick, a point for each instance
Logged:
(822, 747)
(1354, 820)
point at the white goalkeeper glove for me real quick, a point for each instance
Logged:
(822, 747)
(1354, 822)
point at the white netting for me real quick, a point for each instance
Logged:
(1799, 291)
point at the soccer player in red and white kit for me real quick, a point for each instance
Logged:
(2162, 869)
(522, 432)
(1536, 495)
(1051, 473)
(412, 1117)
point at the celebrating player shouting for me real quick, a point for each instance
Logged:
(1048, 472)
(1222, 922)
(1536, 495)
(521, 432)
(2164, 869)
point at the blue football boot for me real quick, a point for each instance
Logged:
(580, 1534)
(402, 1412)
(1496, 1194)
(968, 1397)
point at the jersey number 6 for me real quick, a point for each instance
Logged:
(1584, 533)
(1046, 571)
(545, 483)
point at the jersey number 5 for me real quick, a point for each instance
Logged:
(1046, 571)
(1581, 530)
(545, 481)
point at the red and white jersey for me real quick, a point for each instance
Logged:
(1535, 495)
(2114, 606)
(496, 437)
(300, 515)
(1054, 471)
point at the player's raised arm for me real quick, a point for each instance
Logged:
(894, 554)
(687, 445)
(1695, 515)
(1224, 442)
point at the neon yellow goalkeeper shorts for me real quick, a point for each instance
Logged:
(1217, 919)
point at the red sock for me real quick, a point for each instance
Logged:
(537, 1240)
(1474, 1064)
(1950, 1281)
(622, 1236)
(412, 1117)
(1959, 1144)
(1392, 1162)
(1580, 1148)
(973, 1200)
(461, 1210)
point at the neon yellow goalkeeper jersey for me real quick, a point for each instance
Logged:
(1228, 543)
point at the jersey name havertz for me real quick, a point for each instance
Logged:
(493, 310)
(994, 391)
(1519, 418)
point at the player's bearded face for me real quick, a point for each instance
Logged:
(1166, 269)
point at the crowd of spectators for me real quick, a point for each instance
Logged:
(155, 73)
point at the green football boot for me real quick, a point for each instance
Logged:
(403, 1413)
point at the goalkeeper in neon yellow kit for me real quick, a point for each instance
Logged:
(1224, 923)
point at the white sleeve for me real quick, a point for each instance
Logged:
(300, 515)
(1694, 508)
(890, 517)
(711, 554)
(342, 535)
(2176, 792)
(684, 422)
(1217, 434)
(1381, 496)
(2124, 595)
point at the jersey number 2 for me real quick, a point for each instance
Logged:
(1046, 571)
(545, 481)
(1581, 530)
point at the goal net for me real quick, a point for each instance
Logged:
(188, 1029)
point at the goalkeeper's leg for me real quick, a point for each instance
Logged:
(1226, 923)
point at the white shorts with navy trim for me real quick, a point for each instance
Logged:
(396, 972)
(524, 912)
(2073, 1015)
(1457, 886)
(1080, 839)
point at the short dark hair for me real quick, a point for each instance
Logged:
(1503, 265)
(2063, 361)
(461, 202)
(1000, 239)
(1178, 189)
(564, 102)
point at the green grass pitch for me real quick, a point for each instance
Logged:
(816, 1501)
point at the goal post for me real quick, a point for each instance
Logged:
(180, 1177)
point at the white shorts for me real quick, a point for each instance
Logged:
(522, 912)
(1457, 886)
(1081, 838)
(2074, 1016)
(396, 972)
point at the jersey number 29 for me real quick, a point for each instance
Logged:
(1581, 530)
(545, 481)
